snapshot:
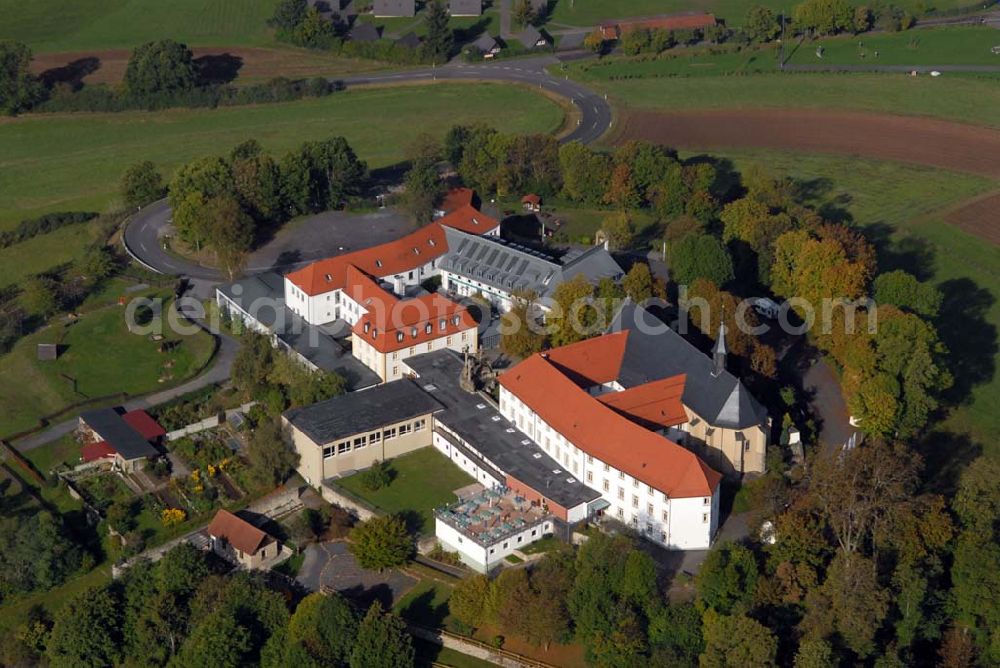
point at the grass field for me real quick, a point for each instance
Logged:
(903, 215)
(966, 98)
(50, 25)
(101, 355)
(962, 45)
(423, 480)
(74, 161)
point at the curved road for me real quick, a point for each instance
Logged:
(144, 231)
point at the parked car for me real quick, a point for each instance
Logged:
(766, 307)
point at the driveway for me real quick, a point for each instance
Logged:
(331, 566)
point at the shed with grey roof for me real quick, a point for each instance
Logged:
(531, 38)
(110, 427)
(394, 8)
(465, 7)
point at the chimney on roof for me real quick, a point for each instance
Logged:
(719, 353)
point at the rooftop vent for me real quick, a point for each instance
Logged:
(430, 387)
(556, 471)
(570, 480)
(510, 430)
(496, 418)
(537, 455)
(480, 406)
(526, 441)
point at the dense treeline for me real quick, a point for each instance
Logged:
(50, 222)
(159, 75)
(181, 611)
(226, 202)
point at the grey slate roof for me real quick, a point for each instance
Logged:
(113, 430)
(511, 267)
(655, 351)
(497, 441)
(465, 7)
(394, 7)
(364, 32)
(410, 40)
(529, 37)
(485, 42)
(362, 412)
(262, 295)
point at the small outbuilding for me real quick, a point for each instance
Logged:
(532, 38)
(409, 41)
(48, 352)
(364, 32)
(236, 540)
(487, 45)
(394, 8)
(532, 202)
(465, 7)
(126, 439)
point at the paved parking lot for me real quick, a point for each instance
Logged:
(331, 565)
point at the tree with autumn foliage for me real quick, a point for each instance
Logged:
(618, 230)
(622, 193)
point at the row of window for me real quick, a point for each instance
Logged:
(374, 438)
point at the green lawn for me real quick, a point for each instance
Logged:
(423, 480)
(680, 83)
(964, 45)
(15, 611)
(426, 604)
(104, 358)
(49, 456)
(897, 208)
(74, 161)
(50, 25)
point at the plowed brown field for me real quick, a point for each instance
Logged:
(925, 141)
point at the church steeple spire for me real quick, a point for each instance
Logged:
(719, 352)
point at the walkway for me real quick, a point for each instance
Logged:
(218, 373)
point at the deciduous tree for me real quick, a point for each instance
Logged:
(141, 184)
(382, 641)
(19, 88)
(271, 458)
(381, 542)
(161, 67)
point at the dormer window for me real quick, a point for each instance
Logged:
(416, 251)
(375, 332)
(378, 263)
(368, 327)
(399, 336)
(428, 328)
(329, 278)
(413, 332)
(443, 324)
(455, 320)
(431, 242)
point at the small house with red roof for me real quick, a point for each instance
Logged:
(127, 439)
(236, 540)
(532, 202)
(681, 21)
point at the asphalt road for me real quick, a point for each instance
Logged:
(143, 234)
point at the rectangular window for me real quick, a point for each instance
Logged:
(621, 475)
(360, 442)
(395, 371)
(343, 447)
(390, 433)
(621, 514)
(448, 341)
(649, 508)
(590, 476)
(328, 451)
(606, 485)
(465, 336)
(404, 429)
(375, 438)
(664, 516)
(606, 468)
(704, 518)
(635, 501)
(621, 493)
(419, 425)
(707, 500)
(635, 483)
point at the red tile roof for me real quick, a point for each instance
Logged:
(592, 361)
(654, 405)
(405, 254)
(469, 219)
(94, 451)
(411, 322)
(531, 199)
(457, 198)
(144, 424)
(242, 535)
(676, 22)
(599, 431)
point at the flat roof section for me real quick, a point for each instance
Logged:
(362, 412)
(498, 441)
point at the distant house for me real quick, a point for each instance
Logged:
(465, 7)
(365, 32)
(238, 541)
(532, 38)
(455, 199)
(532, 203)
(487, 45)
(126, 439)
(394, 8)
(409, 41)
